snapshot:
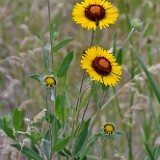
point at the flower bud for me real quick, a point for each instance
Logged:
(137, 24)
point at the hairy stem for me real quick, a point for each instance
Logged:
(49, 122)
(51, 38)
(75, 121)
(79, 128)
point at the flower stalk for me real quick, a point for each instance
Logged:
(51, 38)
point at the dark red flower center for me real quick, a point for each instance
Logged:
(102, 66)
(95, 12)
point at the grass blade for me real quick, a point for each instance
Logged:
(149, 152)
(149, 76)
(154, 114)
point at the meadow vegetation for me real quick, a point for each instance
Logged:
(51, 108)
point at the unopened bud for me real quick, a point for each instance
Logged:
(137, 24)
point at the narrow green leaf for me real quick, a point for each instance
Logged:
(55, 131)
(45, 51)
(6, 129)
(149, 76)
(115, 135)
(149, 152)
(16, 118)
(85, 100)
(88, 146)
(59, 106)
(46, 145)
(60, 145)
(114, 43)
(154, 114)
(53, 31)
(30, 154)
(65, 65)
(82, 137)
(156, 152)
(34, 148)
(119, 56)
(46, 56)
(52, 119)
(62, 44)
(96, 95)
(38, 77)
(65, 152)
(98, 136)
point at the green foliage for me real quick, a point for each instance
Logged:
(60, 128)
(95, 138)
(16, 119)
(156, 152)
(30, 154)
(149, 76)
(9, 132)
(60, 145)
(65, 65)
(82, 137)
(119, 56)
(154, 114)
(47, 145)
(38, 77)
(149, 152)
(61, 44)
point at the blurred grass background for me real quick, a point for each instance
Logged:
(21, 55)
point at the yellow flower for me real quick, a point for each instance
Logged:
(93, 13)
(109, 129)
(49, 81)
(101, 66)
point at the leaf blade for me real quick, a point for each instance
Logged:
(154, 87)
(149, 152)
(65, 64)
(60, 145)
(27, 152)
(61, 44)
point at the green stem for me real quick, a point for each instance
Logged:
(51, 38)
(50, 129)
(77, 111)
(79, 128)
(128, 37)
(92, 38)
(103, 148)
(131, 104)
(96, 116)
(75, 121)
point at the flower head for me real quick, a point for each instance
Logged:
(93, 13)
(109, 129)
(137, 24)
(101, 66)
(49, 81)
